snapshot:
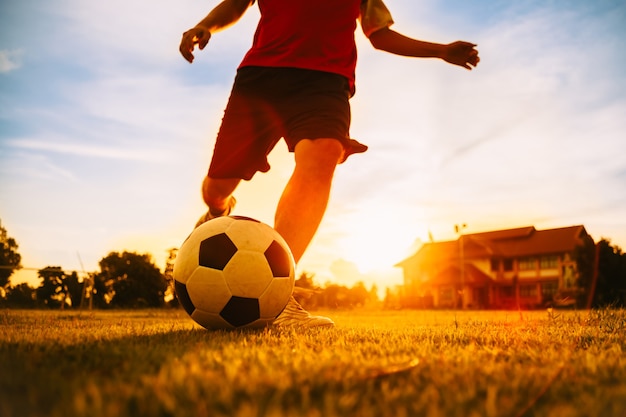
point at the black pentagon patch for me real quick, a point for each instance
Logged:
(278, 259)
(216, 251)
(240, 311)
(183, 297)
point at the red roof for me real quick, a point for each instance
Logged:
(511, 243)
(529, 241)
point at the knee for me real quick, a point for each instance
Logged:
(319, 154)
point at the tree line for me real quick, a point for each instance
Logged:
(125, 280)
(132, 280)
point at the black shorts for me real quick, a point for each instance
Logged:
(267, 104)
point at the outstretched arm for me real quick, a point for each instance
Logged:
(459, 53)
(223, 15)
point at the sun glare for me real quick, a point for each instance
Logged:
(375, 245)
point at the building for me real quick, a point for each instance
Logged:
(522, 267)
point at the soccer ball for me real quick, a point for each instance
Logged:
(234, 272)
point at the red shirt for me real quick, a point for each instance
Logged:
(310, 34)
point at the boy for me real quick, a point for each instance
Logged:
(295, 83)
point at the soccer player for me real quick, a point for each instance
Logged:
(295, 83)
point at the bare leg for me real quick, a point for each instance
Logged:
(304, 200)
(216, 193)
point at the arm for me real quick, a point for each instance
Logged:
(458, 53)
(222, 16)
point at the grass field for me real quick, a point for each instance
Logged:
(401, 363)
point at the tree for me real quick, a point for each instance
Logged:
(610, 288)
(584, 255)
(132, 280)
(21, 296)
(73, 289)
(9, 257)
(358, 295)
(168, 274)
(311, 296)
(602, 271)
(306, 281)
(334, 296)
(373, 294)
(52, 292)
(99, 290)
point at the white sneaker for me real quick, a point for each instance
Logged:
(295, 316)
(210, 216)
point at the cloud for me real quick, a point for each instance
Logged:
(10, 60)
(143, 34)
(27, 165)
(86, 150)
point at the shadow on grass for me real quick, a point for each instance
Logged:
(41, 378)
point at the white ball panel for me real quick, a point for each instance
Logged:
(208, 290)
(275, 297)
(215, 226)
(211, 321)
(186, 262)
(248, 274)
(250, 235)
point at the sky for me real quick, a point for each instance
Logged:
(106, 131)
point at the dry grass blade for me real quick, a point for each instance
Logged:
(541, 393)
(392, 370)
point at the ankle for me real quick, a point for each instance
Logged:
(218, 212)
(223, 207)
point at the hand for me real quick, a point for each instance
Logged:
(463, 54)
(196, 36)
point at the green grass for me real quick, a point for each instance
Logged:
(401, 363)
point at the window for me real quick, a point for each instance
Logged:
(528, 290)
(549, 262)
(527, 264)
(495, 264)
(548, 289)
(508, 264)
